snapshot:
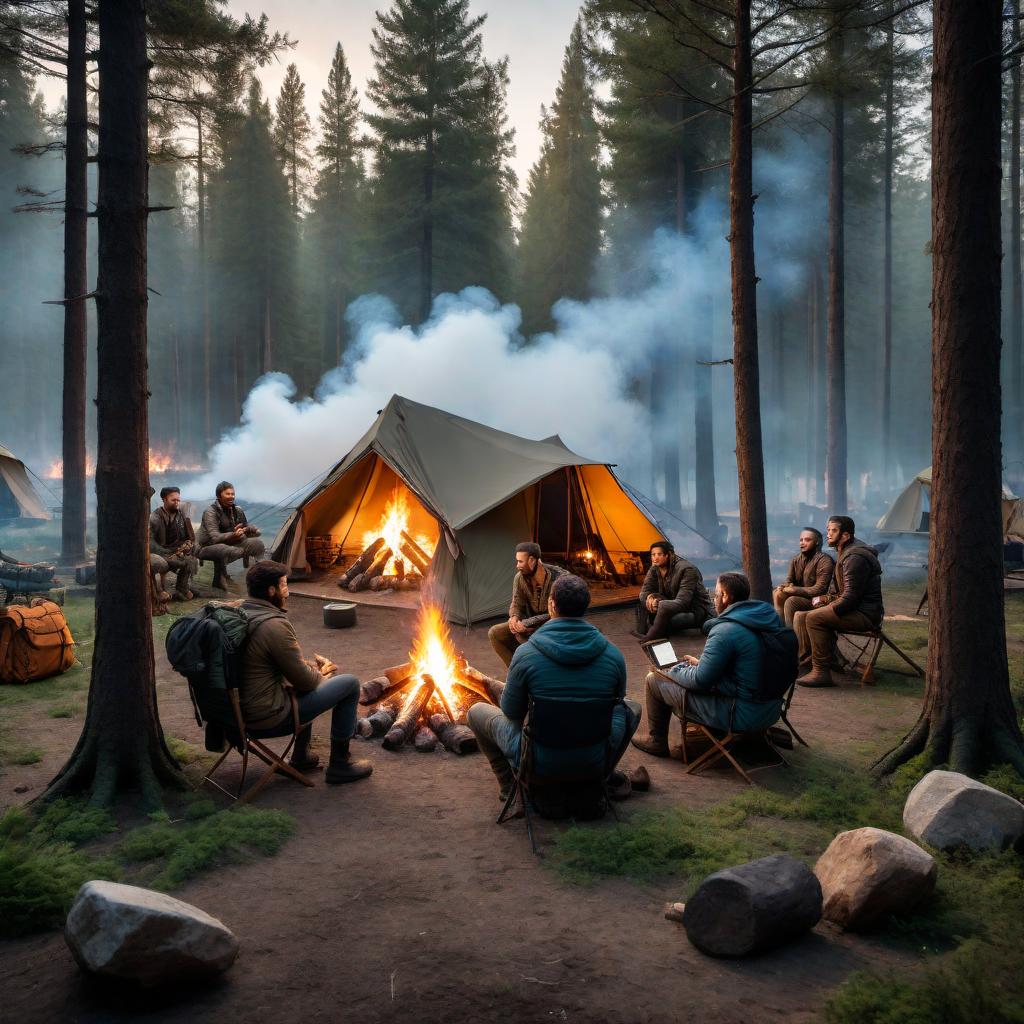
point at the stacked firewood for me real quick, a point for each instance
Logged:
(367, 571)
(402, 709)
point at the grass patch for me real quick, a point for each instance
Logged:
(63, 711)
(31, 756)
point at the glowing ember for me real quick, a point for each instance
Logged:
(393, 521)
(159, 463)
(434, 654)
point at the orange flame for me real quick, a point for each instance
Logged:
(393, 521)
(434, 654)
(159, 462)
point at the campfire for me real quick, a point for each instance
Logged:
(425, 701)
(392, 558)
(160, 462)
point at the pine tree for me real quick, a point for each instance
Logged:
(561, 230)
(439, 142)
(292, 132)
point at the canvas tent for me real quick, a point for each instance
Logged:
(18, 498)
(477, 492)
(910, 512)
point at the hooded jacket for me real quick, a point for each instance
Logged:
(730, 667)
(569, 660)
(859, 582)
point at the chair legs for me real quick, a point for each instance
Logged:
(718, 750)
(274, 762)
(910, 661)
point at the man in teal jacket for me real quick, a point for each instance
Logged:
(566, 659)
(721, 688)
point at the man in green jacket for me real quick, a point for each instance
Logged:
(225, 535)
(673, 596)
(566, 659)
(720, 688)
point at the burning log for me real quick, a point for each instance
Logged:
(416, 555)
(375, 569)
(399, 569)
(459, 739)
(361, 564)
(425, 741)
(360, 582)
(398, 673)
(408, 718)
(374, 690)
(468, 697)
(488, 688)
(382, 719)
(379, 583)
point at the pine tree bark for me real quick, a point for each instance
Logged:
(122, 745)
(887, 454)
(968, 719)
(1016, 346)
(204, 280)
(835, 469)
(76, 285)
(746, 384)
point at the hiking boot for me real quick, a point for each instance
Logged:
(342, 768)
(179, 596)
(220, 579)
(656, 746)
(817, 677)
(619, 787)
(302, 758)
(659, 715)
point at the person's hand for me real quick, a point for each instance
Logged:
(239, 531)
(652, 602)
(787, 588)
(252, 531)
(516, 625)
(326, 666)
(820, 602)
(689, 659)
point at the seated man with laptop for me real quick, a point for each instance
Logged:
(730, 667)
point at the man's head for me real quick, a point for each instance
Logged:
(171, 497)
(661, 552)
(527, 557)
(226, 493)
(810, 540)
(731, 588)
(570, 598)
(840, 530)
(268, 581)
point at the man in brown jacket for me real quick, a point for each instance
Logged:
(810, 576)
(172, 543)
(225, 535)
(531, 589)
(673, 596)
(272, 655)
(856, 606)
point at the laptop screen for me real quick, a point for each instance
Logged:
(663, 654)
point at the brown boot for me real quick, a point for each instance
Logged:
(342, 768)
(659, 714)
(817, 677)
(302, 758)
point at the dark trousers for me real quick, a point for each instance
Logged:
(665, 622)
(339, 695)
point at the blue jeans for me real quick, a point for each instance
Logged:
(340, 693)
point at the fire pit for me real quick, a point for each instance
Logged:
(425, 700)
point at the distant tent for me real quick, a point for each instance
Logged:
(18, 498)
(476, 492)
(911, 511)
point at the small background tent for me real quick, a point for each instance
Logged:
(910, 512)
(475, 492)
(18, 498)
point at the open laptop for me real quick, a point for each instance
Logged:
(661, 654)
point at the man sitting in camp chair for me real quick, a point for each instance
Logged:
(729, 667)
(809, 576)
(225, 535)
(673, 596)
(529, 609)
(172, 544)
(566, 659)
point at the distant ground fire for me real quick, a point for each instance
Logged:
(160, 462)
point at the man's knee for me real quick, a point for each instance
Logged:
(157, 564)
(820, 619)
(480, 717)
(253, 547)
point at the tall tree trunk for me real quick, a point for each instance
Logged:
(427, 243)
(890, 76)
(746, 385)
(204, 282)
(968, 720)
(777, 401)
(705, 510)
(835, 470)
(122, 745)
(76, 284)
(1016, 346)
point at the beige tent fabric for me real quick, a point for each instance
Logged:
(475, 492)
(906, 512)
(15, 484)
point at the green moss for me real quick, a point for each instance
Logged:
(31, 756)
(62, 711)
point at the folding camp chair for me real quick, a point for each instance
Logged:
(721, 745)
(870, 649)
(239, 738)
(563, 725)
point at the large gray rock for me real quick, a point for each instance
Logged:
(753, 906)
(947, 810)
(122, 931)
(868, 873)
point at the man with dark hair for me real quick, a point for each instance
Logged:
(531, 589)
(856, 606)
(272, 655)
(673, 596)
(567, 659)
(225, 535)
(809, 576)
(729, 667)
(172, 543)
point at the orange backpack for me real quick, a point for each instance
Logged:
(34, 642)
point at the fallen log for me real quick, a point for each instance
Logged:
(379, 563)
(408, 718)
(475, 680)
(467, 698)
(360, 582)
(419, 558)
(459, 739)
(364, 728)
(361, 564)
(374, 690)
(425, 741)
(378, 583)
(400, 569)
(383, 719)
(399, 673)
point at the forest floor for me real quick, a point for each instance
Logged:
(399, 898)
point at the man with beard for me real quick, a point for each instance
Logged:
(531, 589)
(673, 597)
(271, 655)
(172, 543)
(857, 605)
(810, 576)
(225, 535)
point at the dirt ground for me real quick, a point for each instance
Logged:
(399, 898)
